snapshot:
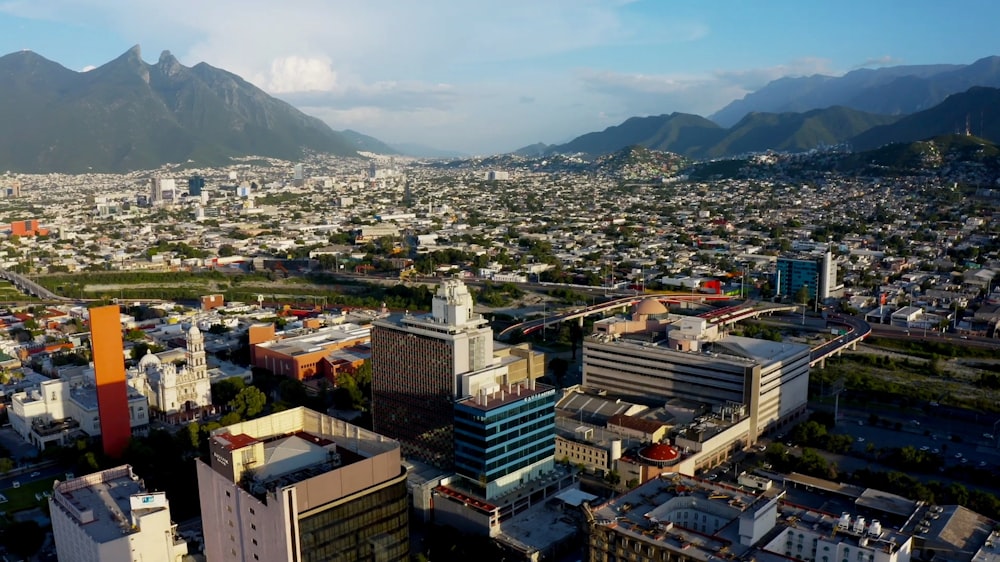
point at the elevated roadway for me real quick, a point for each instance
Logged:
(28, 286)
(623, 303)
(854, 329)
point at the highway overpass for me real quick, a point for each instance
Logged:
(28, 286)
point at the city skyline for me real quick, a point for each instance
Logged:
(490, 78)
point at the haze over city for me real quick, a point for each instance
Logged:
(490, 77)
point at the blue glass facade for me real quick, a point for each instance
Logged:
(495, 441)
(793, 274)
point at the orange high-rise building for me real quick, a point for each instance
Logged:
(109, 371)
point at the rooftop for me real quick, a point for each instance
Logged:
(506, 394)
(318, 340)
(100, 502)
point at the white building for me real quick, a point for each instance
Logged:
(656, 358)
(109, 515)
(299, 485)
(171, 389)
(162, 191)
(57, 410)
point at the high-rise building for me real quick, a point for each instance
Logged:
(505, 436)
(416, 363)
(196, 184)
(298, 172)
(109, 373)
(109, 515)
(818, 274)
(162, 191)
(301, 486)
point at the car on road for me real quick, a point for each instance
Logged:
(958, 455)
(914, 422)
(35, 474)
(861, 439)
(982, 464)
(988, 435)
(925, 448)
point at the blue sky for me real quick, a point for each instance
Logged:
(485, 76)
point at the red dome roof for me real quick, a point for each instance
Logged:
(659, 452)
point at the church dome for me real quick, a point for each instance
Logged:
(148, 360)
(650, 307)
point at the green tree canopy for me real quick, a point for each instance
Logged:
(249, 402)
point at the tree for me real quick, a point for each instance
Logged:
(226, 250)
(225, 390)
(613, 477)
(559, 368)
(23, 538)
(363, 377)
(249, 402)
(6, 465)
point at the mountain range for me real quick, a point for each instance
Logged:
(894, 90)
(977, 110)
(129, 115)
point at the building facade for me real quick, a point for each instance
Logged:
(109, 515)
(505, 437)
(416, 363)
(301, 357)
(817, 274)
(691, 361)
(171, 389)
(109, 373)
(59, 411)
(302, 486)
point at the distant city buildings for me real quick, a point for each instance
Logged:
(196, 185)
(28, 227)
(301, 486)
(162, 191)
(495, 175)
(110, 515)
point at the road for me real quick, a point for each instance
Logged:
(28, 286)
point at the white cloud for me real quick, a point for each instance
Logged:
(298, 74)
(452, 73)
(702, 94)
(884, 60)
